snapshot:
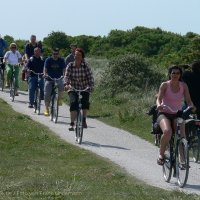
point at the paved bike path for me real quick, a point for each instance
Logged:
(136, 156)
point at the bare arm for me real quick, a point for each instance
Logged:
(161, 93)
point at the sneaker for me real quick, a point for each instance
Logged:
(7, 86)
(71, 128)
(84, 124)
(30, 106)
(16, 94)
(46, 112)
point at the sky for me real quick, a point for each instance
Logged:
(22, 18)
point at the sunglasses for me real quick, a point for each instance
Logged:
(13, 47)
(175, 73)
(55, 54)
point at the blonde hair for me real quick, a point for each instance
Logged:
(13, 44)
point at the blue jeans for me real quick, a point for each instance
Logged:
(32, 85)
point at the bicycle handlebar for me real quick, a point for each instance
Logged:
(54, 79)
(76, 90)
(36, 73)
(180, 113)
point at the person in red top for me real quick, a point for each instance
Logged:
(170, 95)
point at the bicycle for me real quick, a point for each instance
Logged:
(2, 80)
(79, 117)
(177, 154)
(37, 97)
(13, 88)
(193, 136)
(54, 104)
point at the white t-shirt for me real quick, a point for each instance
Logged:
(12, 57)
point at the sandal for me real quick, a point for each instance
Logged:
(160, 161)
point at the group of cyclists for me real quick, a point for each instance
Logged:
(72, 72)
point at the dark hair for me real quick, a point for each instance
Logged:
(175, 67)
(196, 66)
(81, 51)
(56, 49)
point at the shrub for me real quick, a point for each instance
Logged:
(129, 73)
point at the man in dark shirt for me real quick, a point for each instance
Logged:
(192, 79)
(35, 65)
(70, 57)
(54, 67)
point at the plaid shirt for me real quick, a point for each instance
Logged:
(79, 77)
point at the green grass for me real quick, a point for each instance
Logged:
(36, 164)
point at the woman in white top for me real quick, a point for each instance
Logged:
(12, 59)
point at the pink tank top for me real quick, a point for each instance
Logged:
(173, 99)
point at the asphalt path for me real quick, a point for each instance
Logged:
(135, 155)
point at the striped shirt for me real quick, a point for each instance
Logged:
(79, 77)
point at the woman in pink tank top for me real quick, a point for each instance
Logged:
(170, 97)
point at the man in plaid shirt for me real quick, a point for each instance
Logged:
(78, 75)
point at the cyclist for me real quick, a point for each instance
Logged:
(70, 57)
(54, 67)
(78, 75)
(12, 58)
(3, 46)
(192, 79)
(170, 94)
(36, 64)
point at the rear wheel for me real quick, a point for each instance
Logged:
(12, 89)
(167, 167)
(182, 162)
(79, 127)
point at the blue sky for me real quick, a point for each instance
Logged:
(22, 18)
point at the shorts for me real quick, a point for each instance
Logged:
(168, 116)
(73, 98)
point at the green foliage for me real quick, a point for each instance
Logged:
(129, 73)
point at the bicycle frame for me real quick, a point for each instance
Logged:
(54, 99)
(79, 117)
(37, 101)
(13, 84)
(177, 151)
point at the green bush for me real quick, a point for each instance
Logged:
(129, 73)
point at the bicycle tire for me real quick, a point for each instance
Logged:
(79, 127)
(2, 79)
(12, 89)
(182, 162)
(55, 108)
(37, 102)
(196, 147)
(167, 167)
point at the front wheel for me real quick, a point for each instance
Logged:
(37, 102)
(12, 89)
(182, 162)
(54, 108)
(79, 127)
(2, 79)
(167, 167)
